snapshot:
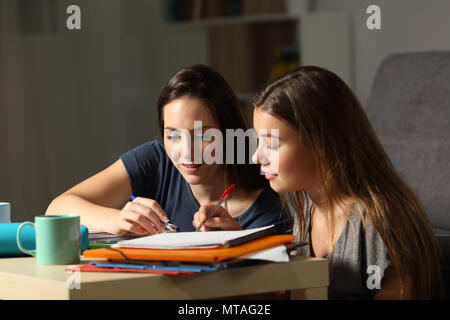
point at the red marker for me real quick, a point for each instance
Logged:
(224, 196)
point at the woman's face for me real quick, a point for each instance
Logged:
(286, 162)
(184, 145)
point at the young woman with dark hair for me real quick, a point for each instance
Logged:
(167, 183)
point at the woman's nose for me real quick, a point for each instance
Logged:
(191, 150)
(185, 149)
(259, 157)
(255, 157)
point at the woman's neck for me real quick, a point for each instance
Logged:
(209, 192)
(323, 207)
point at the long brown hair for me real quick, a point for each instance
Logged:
(353, 165)
(203, 83)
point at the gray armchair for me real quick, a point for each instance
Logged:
(409, 109)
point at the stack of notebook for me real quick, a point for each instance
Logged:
(101, 239)
(191, 252)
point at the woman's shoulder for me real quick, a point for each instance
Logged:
(148, 152)
(367, 239)
(360, 228)
(361, 221)
(153, 146)
(148, 158)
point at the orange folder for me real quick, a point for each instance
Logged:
(190, 255)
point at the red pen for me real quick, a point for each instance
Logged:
(224, 196)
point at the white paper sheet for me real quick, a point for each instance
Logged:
(186, 240)
(275, 254)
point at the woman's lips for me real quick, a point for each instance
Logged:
(191, 168)
(270, 176)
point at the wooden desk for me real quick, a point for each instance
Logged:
(22, 278)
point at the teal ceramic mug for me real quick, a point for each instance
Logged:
(57, 239)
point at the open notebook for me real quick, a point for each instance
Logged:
(197, 240)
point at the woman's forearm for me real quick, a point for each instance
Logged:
(93, 216)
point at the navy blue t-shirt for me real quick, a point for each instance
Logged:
(153, 175)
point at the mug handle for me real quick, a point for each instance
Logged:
(30, 252)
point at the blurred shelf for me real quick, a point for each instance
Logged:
(246, 19)
(252, 49)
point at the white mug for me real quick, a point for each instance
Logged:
(5, 212)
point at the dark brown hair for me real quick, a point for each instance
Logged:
(353, 165)
(205, 84)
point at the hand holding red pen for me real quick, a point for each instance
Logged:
(213, 217)
(220, 220)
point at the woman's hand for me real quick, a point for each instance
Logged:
(220, 220)
(141, 216)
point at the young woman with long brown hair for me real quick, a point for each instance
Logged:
(352, 206)
(165, 179)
